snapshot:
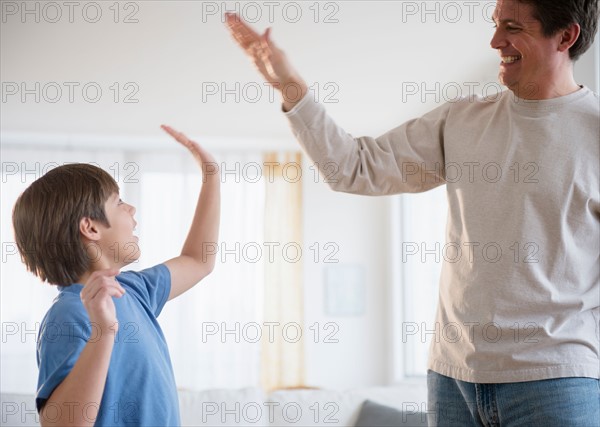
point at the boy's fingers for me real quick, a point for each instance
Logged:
(169, 130)
(180, 137)
(90, 291)
(106, 272)
(175, 134)
(196, 149)
(113, 291)
(98, 277)
(109, 272)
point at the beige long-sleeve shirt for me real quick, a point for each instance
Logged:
(519, 290)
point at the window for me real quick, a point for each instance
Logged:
(418, 256)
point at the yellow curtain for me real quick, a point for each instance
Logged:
(282, 352)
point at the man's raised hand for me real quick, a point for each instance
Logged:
(270, 61)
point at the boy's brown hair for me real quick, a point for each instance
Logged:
(46, 220)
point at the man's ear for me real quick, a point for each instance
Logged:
(568, 37)
(89, 229)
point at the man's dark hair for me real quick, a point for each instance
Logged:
(556, 15)
(46, 220)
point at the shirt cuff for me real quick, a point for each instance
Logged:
(299, 105)
(306, 114)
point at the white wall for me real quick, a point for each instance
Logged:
(358, 227)
(587, 68)
(369, 56)
(170, 54)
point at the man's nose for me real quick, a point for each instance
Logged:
(498, 40)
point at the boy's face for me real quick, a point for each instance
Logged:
(119, 244)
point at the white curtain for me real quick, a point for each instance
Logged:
(208, 328)
(283, 352)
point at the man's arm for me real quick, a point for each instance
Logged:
(407, 159)
(198, 256)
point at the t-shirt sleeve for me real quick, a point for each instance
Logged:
(407, 159)
(150, 286)
(59, 345)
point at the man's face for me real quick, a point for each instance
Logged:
(529, 60)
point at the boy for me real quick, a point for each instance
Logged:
(73, 230)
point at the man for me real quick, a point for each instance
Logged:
(522, 289)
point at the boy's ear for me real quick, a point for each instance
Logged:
(89, 229)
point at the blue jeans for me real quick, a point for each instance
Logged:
(558, 402)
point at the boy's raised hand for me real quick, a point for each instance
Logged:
(195, 261)
(204, 158)
(270, 61)
(96, 297)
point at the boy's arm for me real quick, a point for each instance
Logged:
(198, 256)
(83, 387)
(78, 396)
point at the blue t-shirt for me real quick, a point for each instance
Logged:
(140, 387)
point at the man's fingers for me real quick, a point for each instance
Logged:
(241, 32)
(239, 26)
(258, 47)
(268, 37)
